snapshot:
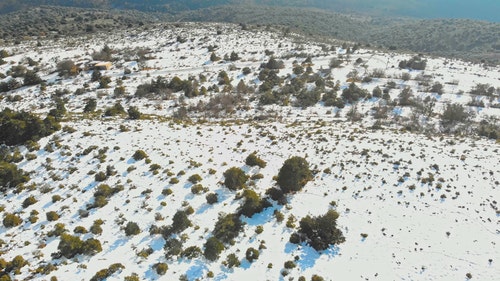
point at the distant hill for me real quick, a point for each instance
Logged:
(480, 9)
(462, 38)
(51, 21)
(466, 39)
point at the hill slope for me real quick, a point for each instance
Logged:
(466, 39)
(121, 190)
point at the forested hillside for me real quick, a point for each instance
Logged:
(481, 10)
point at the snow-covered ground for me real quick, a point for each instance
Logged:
(407, 229)
(417, 228)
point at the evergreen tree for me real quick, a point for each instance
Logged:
(320, 232)
(96, 75)
(90, 105)
(31, 78)
(132, 229)
(406, 97)
(134, 113)
(253, 203)
(294, 174)
(235, 178)
(227, 227)
(214, 57)
(19, 127)
(234, 56)
(11, 176)
(213, 248)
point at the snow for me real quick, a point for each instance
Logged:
(412, 234)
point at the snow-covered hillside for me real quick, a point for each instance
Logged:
(185, 50)
(413, 206)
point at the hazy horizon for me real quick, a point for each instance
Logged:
(488, 10)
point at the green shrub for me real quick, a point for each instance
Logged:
(235, 178)
(246, 70)
(13, 266)
(212, 198)
(317, 278)
(253, 160)
(489, 130)
(320, 232)
(416, 62)
(56, 198)
(103, 190)
(116, 109)
(100, 176)
(189, 210)
(21, 127)
(66, 68)
(227, 227)
(277, 195)
(154, 167)
(290, 264)
(377, 92)
(96, 227)
(90, 105)
(232, 261)
(104, 83)
(59, 229)
(213, 248)
(11, 176)
(144, 253)
(252, 254)
(308, 98)
(52, 216)
(173, 247)
(102, 193)
(194, 178)
(70, 246)
(33, 218)
(279, 216)
(60, 109)
(161, 268)
(11, 220)
(180, 222)
(139, 155)
(103, 274)
(197, 189)
(166, 191)
(134, 113)
(259, 229)
(29, 201)
(191, 252)
(132, 229)
(294, 174)
(99, 202)
(353, 93)
(132, 277)
(80, 230)
(453, 114)
(290, 222)
(257, 176)
(253, 203)
(91, 247)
